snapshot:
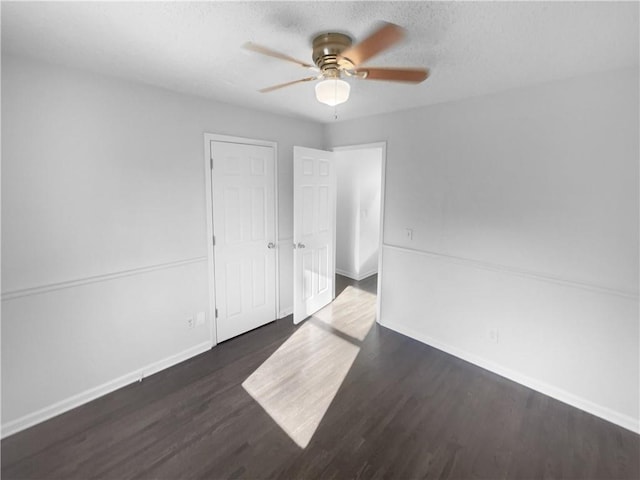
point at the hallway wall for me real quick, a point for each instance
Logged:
(359, 177)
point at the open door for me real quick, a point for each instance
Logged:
(314, 231)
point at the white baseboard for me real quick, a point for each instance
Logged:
(367, 274)
(344, 273)
(355, 276)
(605, 413)
(74, 401)
(285, 312)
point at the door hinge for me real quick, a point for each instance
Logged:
(213, 240)
(211, 163)
(216, 313)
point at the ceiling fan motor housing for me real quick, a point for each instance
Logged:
(326, 49)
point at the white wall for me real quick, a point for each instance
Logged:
(346, 215)
(359, 177)
(524, 207)
(104, 229)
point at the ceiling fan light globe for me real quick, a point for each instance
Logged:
(332, 91)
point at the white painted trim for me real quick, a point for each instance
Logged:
(74, 401)
(605, 413)
(276, 219)
(355, 276)
(495, 267)
(344, 273)
(365, 275)
(383, 147)
(209, 240)
(381, 242)
(29, 291)
(212, 137)
(285, 312)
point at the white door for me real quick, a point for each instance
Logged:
(242, 179)
(314, 213)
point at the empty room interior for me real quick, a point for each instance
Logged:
(320, 240)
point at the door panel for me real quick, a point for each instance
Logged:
(243, 185)
(313, 231)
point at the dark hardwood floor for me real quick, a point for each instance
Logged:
(395, 408)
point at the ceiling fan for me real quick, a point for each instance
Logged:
(335, 56)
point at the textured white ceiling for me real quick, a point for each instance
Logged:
(472, 48)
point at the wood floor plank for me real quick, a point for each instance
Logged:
(403, 410)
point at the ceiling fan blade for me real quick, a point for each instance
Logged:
(282, 85)
(411, 75)
(272, 53)
(383, 38)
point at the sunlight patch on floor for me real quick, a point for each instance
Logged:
(352, 312)
(296, 385)
(298, 382)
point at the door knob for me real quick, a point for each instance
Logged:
(301, 245)
(271, 245)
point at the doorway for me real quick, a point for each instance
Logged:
(360, 173)
(359, 187)
(360, 226)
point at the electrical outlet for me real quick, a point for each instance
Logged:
(200, 318)
(494, 335)
(190, 322)
(408, 233)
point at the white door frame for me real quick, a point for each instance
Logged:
(213, 137)
(383, 147)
